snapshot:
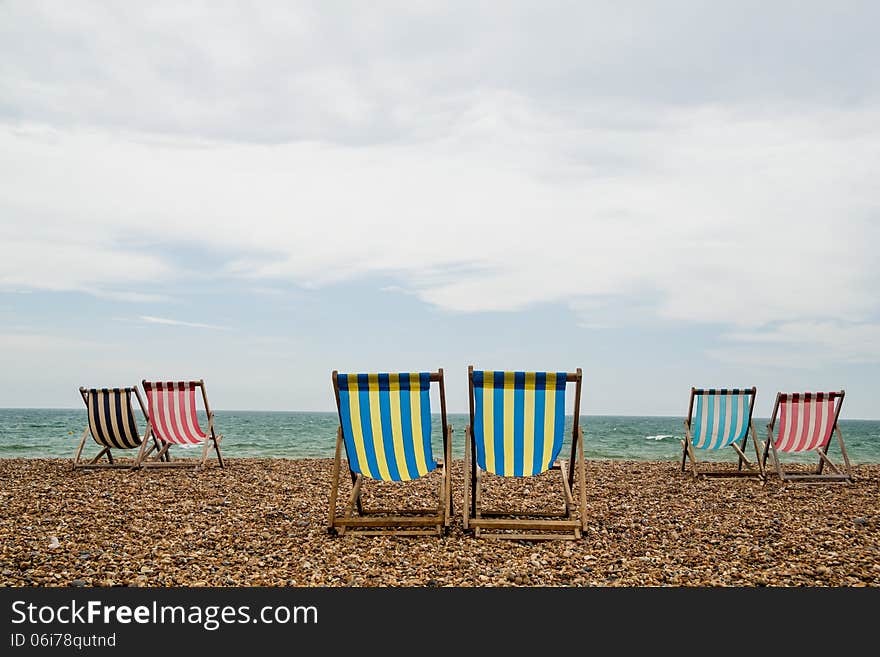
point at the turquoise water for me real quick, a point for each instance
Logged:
(33, 433)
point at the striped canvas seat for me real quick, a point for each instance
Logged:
(516, 430)
(519, 420)
(174, 421)
(385, 433)
(172, 407)
(111, 424)
(111, 417)
(806, 420)
(721, 417)
(386, 424)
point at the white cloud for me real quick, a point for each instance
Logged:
(91, 263)
(713, 215)
(476, 168)
(273, 72)
(176, 322)
(134, 297)
(18, 343)
(808, 344)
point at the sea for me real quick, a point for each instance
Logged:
(55, 433)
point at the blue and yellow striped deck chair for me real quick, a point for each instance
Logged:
(516, 430)
(719, 418)
(112, 425)
(385, 431)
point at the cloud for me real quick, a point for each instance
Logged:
(176, 322)
(277, 72)
(134, 297)
(729, 182)
(36, 343)
(809, 344)
(267, 291)
(85, 262)
(711, 215)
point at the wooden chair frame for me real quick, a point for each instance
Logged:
(548, 524)
(391, 522)
(107, 451)
(838, 475)
(163, 457)
(688, 451)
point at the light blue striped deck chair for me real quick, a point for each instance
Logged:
(517, 426)
(112, 425)
(719, 418)
(385, 433)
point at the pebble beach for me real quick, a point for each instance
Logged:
(262, 522)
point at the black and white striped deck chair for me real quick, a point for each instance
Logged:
(112, 424)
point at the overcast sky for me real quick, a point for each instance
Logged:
(663, 194)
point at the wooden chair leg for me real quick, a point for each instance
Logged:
(447, 473)
(689, 452)
(360, 506)
(824, 458)
(82, 442)
(353, 498)
(684, 447)
(162, 456)
(441, 499)
(766, 449)
(143, 453)
(566, 489)
(846, 463)
(582, 483)
(478, 493)
(217, 440)
(204, 460)
(742, 458)
(466, 505)
(776, 462)
(477, 490)
(334, 489)
(757, 452)
(97, 458)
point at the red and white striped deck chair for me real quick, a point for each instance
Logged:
(806, 422)
(174, 420)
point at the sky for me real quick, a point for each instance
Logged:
(665, 195)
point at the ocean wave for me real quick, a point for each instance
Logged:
(662, 436)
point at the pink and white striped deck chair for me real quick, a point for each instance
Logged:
(174, 421)
(806, 422)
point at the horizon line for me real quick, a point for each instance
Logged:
(331, 412)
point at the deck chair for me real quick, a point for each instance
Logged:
(806, 422)
(174, 421)
(385, 431)
(112, 424)
(722, 418)
(517, 423)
